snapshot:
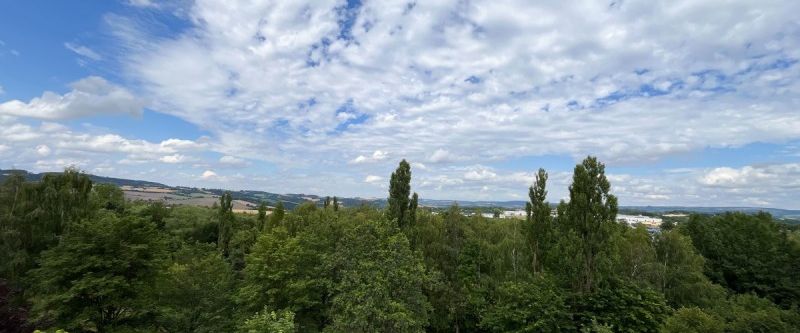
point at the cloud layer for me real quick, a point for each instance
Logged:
(89, 96)
(327, 96)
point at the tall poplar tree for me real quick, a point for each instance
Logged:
(225, 223)
(400, 206)
(591, 215)
(262, 216)
(277, 215)
(540, 226)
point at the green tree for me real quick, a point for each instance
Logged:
(262, 216)
(693, 320)
(109, 197)
(378, 285)
(194, 293)
(679, 273)
(335, 204)
(748, 253)
(276, 217)
(96, 278)
(266, 321)
(226, 217)
(400, 207)
(591, 216)
(286, 271)
(624, 307)
(528, 306)
(156, 212)
(637, 256)
(540, 224)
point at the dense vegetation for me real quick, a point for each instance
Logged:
(76, 256)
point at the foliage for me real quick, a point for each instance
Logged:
(535, 306)
(400, 208)
(590, 216)
(378, 282)
(748, 253)
(82, 258)
(623, 307)
(267, 321)
(693, 320)
(195, 292)
(94, 278)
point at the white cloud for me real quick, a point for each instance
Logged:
(232, 161)
(459, 86)
(83, 51)
(173, 159)
(89, 96)
(142, 3)
(209, 175)
(43, 150)
(373, 179)
(479, 174)
(771, 176)
(479, 80)
(378, 155)
(442, 156)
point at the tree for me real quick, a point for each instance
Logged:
(591, 215)
(748, 253)
(266, 321)
(412, 209)
(693, 320)
(286, 271)
(262, 217)
(195, 292)
(109, 197)
(378, 286)
(400, 206)
(624, 307)
(529, 306)
(33, 216)
(156, 212)
(335, 204)
(226, 218)
(540, 223)
(96, 278)
(277, 215)
(679, 273)
(327, 202)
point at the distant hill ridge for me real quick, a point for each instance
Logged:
(292, 200)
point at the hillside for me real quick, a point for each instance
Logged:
(247, 199)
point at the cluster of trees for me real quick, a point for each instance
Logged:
(76, 256)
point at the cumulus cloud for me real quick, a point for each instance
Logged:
(373, 179)
(441, 156)
(774, 176)
(208, 175)
(482, 79)
(173, 159)
(89, 96)
(378, 155)
(459, 86)
(43, 150)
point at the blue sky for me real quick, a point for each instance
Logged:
(687, 103)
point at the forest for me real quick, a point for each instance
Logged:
(77, 257)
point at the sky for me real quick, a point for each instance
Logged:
(686, 102)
